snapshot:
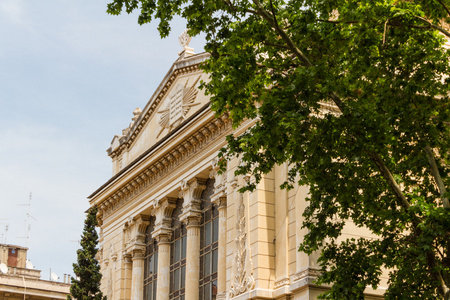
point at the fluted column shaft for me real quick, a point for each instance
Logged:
(192, 261)
(222, 251)
(163, 283)
(137, 278)
(125, 292)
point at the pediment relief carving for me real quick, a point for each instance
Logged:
(178, 104)
(184, 93)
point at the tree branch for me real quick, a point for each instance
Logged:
(431, 25)
(389, 178)
(437, 176)
(444, 6)
(263, 13)
(338, 22)
(273, 13)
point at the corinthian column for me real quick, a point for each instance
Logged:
(163, 234)
(222, 250)
(191, 192)
(137, 250)
(137, 277)
(219, 198)
(163, 283)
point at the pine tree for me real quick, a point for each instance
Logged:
(86, 285)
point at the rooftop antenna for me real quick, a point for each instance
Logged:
(28, 221)
(5, 233)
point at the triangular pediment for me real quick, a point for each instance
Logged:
(176, 99)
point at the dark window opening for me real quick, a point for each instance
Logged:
(177, 255)
(209, 236)
(150, 264)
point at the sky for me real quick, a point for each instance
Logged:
(70, 77)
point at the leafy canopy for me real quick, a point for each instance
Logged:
(354, 97)
(86, 285)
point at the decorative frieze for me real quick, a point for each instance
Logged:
(183, 151)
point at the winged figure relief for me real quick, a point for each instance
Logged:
(181, 101)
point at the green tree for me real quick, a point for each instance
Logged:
(86, 285)
(353, 95)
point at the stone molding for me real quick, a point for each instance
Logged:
(222, 296)
(282, 282)
(308, 272)
(170, 161)
(191, 192)
(126, 141)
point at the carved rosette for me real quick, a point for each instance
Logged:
(242, 282)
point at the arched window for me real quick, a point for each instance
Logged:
(151, 264)
(177, 255)
(209, 235)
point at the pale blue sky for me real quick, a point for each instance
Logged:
(70, 78)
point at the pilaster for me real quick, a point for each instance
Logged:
(125, 290)
(191, 191)
(136, 247)
(219, 198)
(163, 234)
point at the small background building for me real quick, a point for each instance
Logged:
(18, 279)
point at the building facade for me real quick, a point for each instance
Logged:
(172, 227)
(19, 280)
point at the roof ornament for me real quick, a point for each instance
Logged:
(184, 41)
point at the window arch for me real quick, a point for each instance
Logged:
(209, 235)
(177, 255)
(150, 263)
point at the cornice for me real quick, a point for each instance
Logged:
(127, 140)
(183, 151)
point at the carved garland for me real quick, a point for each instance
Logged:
(127, 141)
(241, 282)
(170, 161)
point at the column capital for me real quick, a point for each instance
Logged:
(220, 200)
(138, 254)
(191, 191)
(135, 230)
(163, 222)
(127, 258)
(162, 235)
(219, 176)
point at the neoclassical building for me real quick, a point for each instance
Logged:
(172, 227)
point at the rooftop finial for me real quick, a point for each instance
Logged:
(184, 40)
